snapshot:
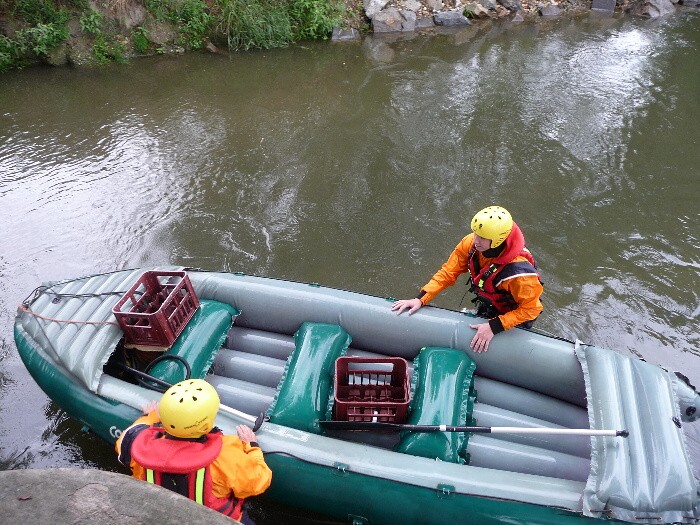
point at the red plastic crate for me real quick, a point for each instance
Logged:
(371, 389)
(156, 309)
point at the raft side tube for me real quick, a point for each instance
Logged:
(242, 395)
(258, 369)
(260, 342)
(490, 416)
(497, 454)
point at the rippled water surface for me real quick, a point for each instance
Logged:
(358, 166)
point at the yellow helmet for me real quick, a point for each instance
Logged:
(188, 408)
(493, 223)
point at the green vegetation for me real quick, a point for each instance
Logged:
(91, 22)
(314, 19)
(191, 17)
(139, 37)
(265, 24)
(46, 28)
(262, 24)
(108, 50)
(35, 12)
(40, 27)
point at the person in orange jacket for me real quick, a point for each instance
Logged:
(502, 274)
(176, 445)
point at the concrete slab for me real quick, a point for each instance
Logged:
(86, 497)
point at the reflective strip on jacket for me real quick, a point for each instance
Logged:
(182, 465)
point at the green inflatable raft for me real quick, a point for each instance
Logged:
(294, 357)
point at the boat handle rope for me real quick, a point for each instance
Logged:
(29, 311)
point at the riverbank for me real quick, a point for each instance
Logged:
(87, 33)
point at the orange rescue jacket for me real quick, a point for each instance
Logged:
(239, 469)
(525, 289)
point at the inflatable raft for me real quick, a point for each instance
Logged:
(305, 355)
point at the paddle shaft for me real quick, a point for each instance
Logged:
(255, 420)
(369, 425)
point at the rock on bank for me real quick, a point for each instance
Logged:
(63, 496)
(388, 16)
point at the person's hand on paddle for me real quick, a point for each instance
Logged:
(412, 304)
(245, 433)
(482, 338)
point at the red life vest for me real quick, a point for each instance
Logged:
(169, 462)
(485, 280)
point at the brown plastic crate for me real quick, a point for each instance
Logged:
(371, 389)
(155, 310)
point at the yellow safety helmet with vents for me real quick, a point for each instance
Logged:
(188, 408)
(493, 223)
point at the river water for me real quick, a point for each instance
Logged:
(358, 166)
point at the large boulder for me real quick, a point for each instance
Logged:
(372, 7)
(511, 5)
(160, 32)
(453, 18)
(550, 11)
(130, 14)
(652, 8)
(393, 20)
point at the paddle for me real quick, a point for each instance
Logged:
(370, 425)
(257, 421)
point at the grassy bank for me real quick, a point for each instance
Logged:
(82, 31)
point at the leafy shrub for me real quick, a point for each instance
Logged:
(29, 43)
(35, 12)
(196, 22)
(45, 28)
(141, 43)
(314, 19)
(8, 54)
(108, 50)
(91, 22)
(42, 38)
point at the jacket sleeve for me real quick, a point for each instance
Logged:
(126, 438)
(241, 469)
(526, 290)
(446, 276)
